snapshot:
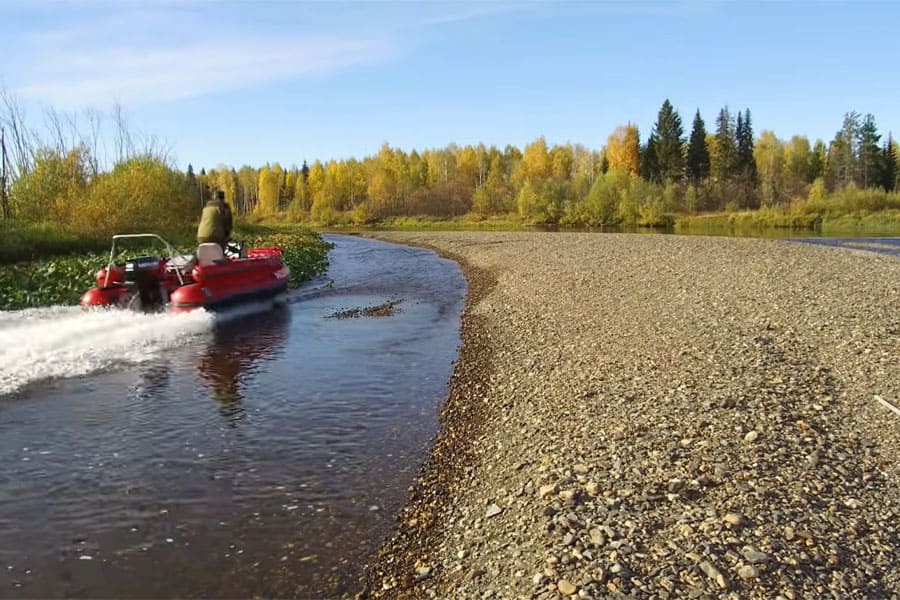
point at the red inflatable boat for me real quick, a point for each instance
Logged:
(208, 280)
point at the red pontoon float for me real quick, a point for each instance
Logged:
(208, 280)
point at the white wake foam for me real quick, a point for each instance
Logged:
(65, 341)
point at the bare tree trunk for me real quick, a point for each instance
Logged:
(124, 143)
(93, 144)
(22, 140)
(4, 201)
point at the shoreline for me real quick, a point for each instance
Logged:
(670, 417)
(403, 562)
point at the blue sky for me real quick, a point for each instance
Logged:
(253, 82)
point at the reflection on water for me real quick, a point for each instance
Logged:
(230, 358)
(267, 457)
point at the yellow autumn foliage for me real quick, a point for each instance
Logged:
(140, 194)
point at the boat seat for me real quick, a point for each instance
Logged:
(209, 253)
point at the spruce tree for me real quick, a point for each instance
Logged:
(669, 141)
(725, 167)
(191, 180)
(649, 163)
(698, 154)
(869, 152)
(888, 166)
(744, 138)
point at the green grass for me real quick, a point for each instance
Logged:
(467, 222)
(882, 222)
(746, 221)
(62, 279)
(20, 241)
(775, 223)
(28, 241)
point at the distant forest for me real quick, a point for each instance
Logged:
(59, 178)
(626, 182)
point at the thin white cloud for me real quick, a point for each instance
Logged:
(130, 75)
(137, 52)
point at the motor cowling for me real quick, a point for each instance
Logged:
(143, 276)
(141, 268)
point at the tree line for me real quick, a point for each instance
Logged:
(62, 178)
(625, 182)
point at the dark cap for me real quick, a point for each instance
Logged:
(220, 195)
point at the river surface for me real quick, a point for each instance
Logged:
(881, 244)
(163, 456)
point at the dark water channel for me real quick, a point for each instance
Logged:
(266, 456)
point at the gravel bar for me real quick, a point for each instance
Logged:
(653, 416)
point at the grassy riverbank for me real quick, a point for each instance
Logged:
(43, 266)
(835, 216)
(773, 221)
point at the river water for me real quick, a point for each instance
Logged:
(160, 456)
(882, 244)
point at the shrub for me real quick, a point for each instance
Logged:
(139, 195)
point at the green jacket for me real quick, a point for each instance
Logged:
(215, 223)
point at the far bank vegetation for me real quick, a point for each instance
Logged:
(724, 178)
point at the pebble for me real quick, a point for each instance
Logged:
(734, 519)
(753, 555)
(546, 490)
(695, 449)
(748, 572)
(566, 587)
(492, 511)
(713, 573)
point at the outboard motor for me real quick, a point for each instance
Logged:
(142, 277)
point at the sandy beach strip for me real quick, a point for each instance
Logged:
(660, 417)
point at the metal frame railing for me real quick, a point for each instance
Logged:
(121, 236)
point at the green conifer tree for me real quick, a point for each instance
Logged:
(669, 144)
(649, 165)
(698, 154)
(725, 166)
(888, 166)
(869, 153)
(744, 138)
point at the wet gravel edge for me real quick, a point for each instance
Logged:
(402, 559)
